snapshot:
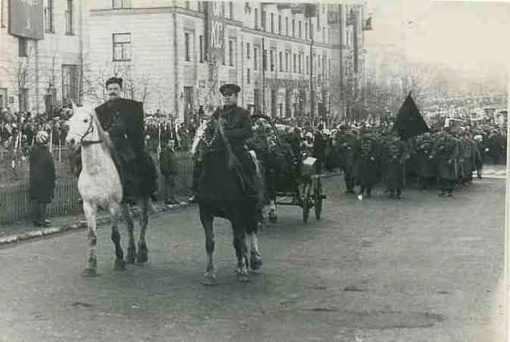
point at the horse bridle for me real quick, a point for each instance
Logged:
(89, 130)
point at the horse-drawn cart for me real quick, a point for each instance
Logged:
(291, 177)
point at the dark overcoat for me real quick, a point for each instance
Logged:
(394, 160)
(42, 174)
(366, 162)
(123, 119)
(446, 152)
(425, 162)
(220, 180)
(167, 162)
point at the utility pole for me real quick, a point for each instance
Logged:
(263, 73)
(176, 64)
(312, 93)
(80, 35)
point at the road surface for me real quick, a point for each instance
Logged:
(424, 268)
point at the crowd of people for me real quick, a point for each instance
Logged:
(445, 157)
(366, 154)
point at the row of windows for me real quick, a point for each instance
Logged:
(300, 62)
(295, 31)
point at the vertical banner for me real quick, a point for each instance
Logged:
(216, 30)
(26, 18)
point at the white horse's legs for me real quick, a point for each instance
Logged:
(90, 215)
(142, 255)
(131, 250)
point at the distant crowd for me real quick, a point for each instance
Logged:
(445, 157)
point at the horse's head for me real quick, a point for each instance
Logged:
(81, 125)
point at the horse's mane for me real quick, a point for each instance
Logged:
(199, 135)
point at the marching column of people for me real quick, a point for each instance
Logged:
(366, 156)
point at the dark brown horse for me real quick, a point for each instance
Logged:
(222, 193)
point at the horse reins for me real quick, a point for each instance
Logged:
(89, 131)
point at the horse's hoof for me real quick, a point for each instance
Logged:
(143, 254)
(242, 277)
(255, 261)
(142, 257)
(120, 265)
(131, 255)
(209, 279)
(89, 272)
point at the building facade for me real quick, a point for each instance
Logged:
(41, 67)
(290, 60)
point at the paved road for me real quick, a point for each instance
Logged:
(422, 269)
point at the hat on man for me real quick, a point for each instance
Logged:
(113, 80)
(230, 88)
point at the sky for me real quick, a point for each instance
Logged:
(469, 36)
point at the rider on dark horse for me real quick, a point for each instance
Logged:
(230, 185)
(235, 128)
(123, 119)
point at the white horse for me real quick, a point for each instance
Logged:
(99, 185)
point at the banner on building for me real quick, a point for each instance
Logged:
(26, 18)
(216, 30)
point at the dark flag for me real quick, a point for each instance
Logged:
(368, 25)
(409, 121)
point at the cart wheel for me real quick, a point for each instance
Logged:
(306, 210)
(318, 197)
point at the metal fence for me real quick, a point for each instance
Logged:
(15, 204)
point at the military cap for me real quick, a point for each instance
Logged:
(230, 88)
(113, 80)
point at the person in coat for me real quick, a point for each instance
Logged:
(123, 119)
(426, 164)
(235, 128)
(446, 152)
(367, 161)
(394, 157)
(42, 178)
(346, 142)
(320, 145)
(168, 169)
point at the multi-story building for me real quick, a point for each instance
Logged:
(41, 53)
(288, 59)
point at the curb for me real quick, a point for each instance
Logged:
(101, 220)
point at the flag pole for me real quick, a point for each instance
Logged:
(159, 136)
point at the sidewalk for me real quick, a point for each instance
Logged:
(494, 171)
(24, 230)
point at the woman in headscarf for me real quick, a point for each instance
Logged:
(42, 178)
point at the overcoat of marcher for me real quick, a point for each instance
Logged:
(42, 174)
(446, 151)
(424, 160)
(367, 161)
(394, 158)
(346, 142)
